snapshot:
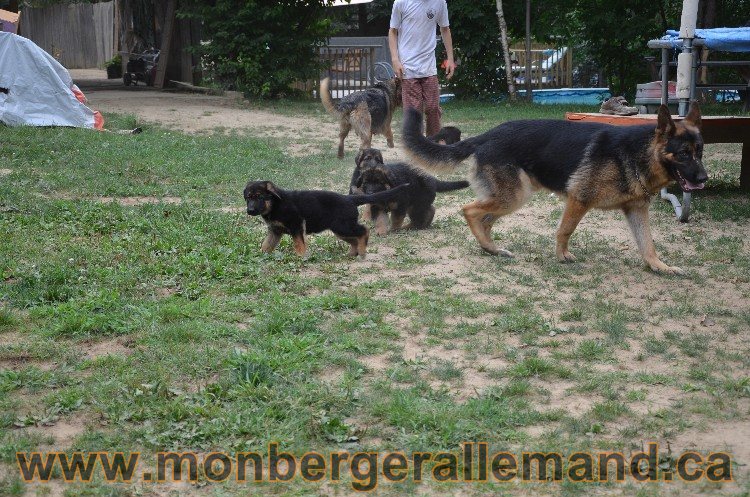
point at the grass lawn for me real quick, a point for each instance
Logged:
(137, 313)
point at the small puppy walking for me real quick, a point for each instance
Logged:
(368, 111)
(372, 176)
(591, 165)
(299, 212)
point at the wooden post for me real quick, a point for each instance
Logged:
(527, 79)
(166, 44)
(745, 167)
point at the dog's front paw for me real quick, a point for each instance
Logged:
(381, 231)
(498, 251)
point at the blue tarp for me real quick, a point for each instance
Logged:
(723, 39)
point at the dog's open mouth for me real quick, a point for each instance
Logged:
(688, 186)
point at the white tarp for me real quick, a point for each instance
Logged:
(35, 90)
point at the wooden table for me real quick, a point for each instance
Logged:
(715, 129)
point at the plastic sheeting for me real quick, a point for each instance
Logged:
(722, 39)
(35, 90)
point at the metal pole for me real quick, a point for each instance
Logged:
(685, 59)
(665, 76)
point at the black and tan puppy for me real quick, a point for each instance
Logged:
(300, 212)
(372, 176)
(448, 135)
(591, 165)
(368, 111)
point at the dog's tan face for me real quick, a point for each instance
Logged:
(368, 157)
(681, 148)
(260, 196)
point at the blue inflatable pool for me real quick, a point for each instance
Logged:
(584, 96)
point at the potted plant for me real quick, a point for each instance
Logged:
(114, 67)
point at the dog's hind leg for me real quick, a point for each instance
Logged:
(481, 215)
(389, 132)
(362, 243)
(344, 127)
(397, 220)
(638, 221)
(352, 241)
(421, 218)
(572, 215)
(357, 238)
(362, 123)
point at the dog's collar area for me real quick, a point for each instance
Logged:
(643, 187)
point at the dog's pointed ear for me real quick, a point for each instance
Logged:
(665, 124)
(271, 188)
(694, 116)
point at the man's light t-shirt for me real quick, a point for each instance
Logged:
(415, 21)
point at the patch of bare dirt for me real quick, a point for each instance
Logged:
(207, 114)
(63, 431)
(230, 209)
(5, 172)
(561, 397)
(728, 436)
(103, 348)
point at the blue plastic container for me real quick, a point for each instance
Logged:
(447, 97)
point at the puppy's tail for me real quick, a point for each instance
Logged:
(325, 96)
(380, 197)
(449, 186)
(430, 155)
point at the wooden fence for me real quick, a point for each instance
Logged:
(349, 69)
(551, 67)
(79, 36)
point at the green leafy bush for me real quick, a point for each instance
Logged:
(260, 47)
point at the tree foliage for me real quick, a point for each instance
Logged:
(260, 46)
(608, 35)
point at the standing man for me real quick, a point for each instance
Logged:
(412, 43)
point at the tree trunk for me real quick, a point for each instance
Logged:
(506, 50)
(527, 76)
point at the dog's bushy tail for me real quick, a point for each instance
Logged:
(430, 155)
(380, 197)
(449, 186)
(325, 96)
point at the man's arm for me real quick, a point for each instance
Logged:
(398, 68)
(450, 65)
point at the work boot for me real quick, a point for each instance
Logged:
(617, 106)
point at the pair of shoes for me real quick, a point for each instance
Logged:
(617, 106)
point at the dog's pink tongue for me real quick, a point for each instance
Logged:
(689, 186)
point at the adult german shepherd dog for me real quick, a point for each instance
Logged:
(368, 111)
(590, 165)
